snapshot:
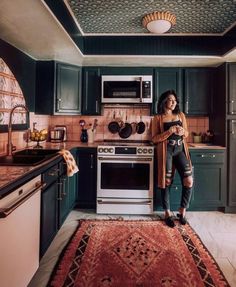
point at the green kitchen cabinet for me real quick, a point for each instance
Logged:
(231, 77)
(49, 208)
(87, 177)
(231, 164)
(167, 79)
(209, 189)
(91, 91)
(58, 198)
(209, 179)
(58, 88)
(198, 91)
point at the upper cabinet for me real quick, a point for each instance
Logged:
(91, 92)
(167, 79)
(231, 89)
(198, 91)
(58, 88)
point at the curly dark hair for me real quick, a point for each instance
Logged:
(162, 102)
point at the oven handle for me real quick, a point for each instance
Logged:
(4, 212)
(148, 202)
(125, 159)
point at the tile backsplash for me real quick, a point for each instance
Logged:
(195, 124)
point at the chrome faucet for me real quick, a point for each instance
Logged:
(9, 143)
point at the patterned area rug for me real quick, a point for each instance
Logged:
(144, 253)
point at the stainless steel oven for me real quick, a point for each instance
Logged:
(125, 179)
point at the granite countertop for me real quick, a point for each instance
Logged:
(11, 174)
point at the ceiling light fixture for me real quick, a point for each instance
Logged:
(159, 22)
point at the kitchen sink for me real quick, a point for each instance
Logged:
(27, 157)
(36, 152)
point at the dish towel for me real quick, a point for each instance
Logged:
(72, 167)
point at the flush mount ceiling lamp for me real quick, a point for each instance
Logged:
(159, 22)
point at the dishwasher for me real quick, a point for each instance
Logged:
(19, 234)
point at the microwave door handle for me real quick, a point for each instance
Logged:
(141, 89)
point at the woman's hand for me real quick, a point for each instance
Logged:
(173, 129)
(179, 131)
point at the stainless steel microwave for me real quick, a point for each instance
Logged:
(126, 89)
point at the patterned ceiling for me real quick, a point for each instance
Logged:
(125, 16)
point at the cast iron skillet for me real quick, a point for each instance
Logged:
(141, 127)
(114, 126)
(125, 131)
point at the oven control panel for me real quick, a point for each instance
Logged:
(126, 150)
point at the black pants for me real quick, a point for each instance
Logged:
(176, 155)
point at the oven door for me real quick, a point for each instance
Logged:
(125, 177)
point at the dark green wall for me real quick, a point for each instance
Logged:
(24, 69)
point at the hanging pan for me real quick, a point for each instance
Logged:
(114, 126)
(141, 125)
(126, 130)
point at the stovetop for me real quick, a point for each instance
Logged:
(138, 148)
(135, 143)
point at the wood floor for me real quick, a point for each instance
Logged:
(217, 231)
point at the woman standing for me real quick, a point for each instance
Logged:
(169, 133)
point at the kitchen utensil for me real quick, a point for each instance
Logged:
(141, 125)
(134, 127)
(126, 130)
(114, 126)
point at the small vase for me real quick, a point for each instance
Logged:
(84, 136)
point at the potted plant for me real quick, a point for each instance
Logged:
(197, 137)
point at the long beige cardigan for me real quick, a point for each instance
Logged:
(159, 137)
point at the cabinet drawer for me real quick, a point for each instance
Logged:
(207, 157)
(51, 175)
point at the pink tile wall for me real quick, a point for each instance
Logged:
(195, 124)
(18, 136)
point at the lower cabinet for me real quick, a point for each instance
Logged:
(209, 189)
(87, 177)
(209, 179)
(58, 197)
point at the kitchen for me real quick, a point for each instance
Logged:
(27, 56)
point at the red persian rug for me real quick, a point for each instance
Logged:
(121, 253)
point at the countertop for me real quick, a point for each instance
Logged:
(15, 175)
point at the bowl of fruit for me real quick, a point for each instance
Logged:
(38, 136)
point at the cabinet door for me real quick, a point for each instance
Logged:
(232, 163)
(167, 79)
(68, 89)
(87, 177)
(209, 180)
(91, 91)
(49, 213)
(63, 199)
(198, 91)
(72, 190)
(232, 89)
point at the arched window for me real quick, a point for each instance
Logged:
(10, 95)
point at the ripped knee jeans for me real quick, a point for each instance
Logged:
(176, 155)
